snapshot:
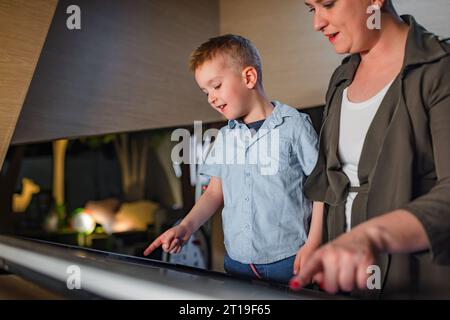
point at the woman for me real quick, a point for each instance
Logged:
(384, 167)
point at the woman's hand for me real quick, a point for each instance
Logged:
(343, 263)
(339, 265)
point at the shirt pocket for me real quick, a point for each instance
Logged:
(277, 158)
(285, 154)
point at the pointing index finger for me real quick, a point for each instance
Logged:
(311, 267)
(155, 244)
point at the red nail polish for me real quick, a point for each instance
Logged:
(294, 284)
(321, 285)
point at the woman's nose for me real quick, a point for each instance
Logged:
(319, 21)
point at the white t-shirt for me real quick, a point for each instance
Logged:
(355, 121)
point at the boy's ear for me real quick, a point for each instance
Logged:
(250, 77)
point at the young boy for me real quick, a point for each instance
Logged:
(265, 216)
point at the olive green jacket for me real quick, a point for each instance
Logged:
(404, 164)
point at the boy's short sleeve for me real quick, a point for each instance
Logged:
(212, 165)
(306, 144)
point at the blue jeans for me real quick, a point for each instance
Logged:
(279, 271)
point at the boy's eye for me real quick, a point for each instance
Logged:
(311, 9)
(218, 86)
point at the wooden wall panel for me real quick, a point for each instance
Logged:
(125, 70)
(23, 28)
(297, 61)
(432, 14)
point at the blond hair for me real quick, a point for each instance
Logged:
(239, 49)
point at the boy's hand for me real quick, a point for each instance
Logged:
(303, 255)
(172, 240)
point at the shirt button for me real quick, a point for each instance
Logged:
(246, 198)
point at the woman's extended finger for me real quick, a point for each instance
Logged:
(313, 266)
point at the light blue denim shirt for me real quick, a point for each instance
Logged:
(265, 216)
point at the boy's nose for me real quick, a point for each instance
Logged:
(211, 99)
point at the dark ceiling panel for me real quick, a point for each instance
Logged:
(125, 70)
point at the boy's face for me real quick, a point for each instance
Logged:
(225, 87)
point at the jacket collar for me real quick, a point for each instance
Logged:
(422, 46)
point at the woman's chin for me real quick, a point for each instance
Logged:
(340, 50)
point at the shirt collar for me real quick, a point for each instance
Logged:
(280, 111)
